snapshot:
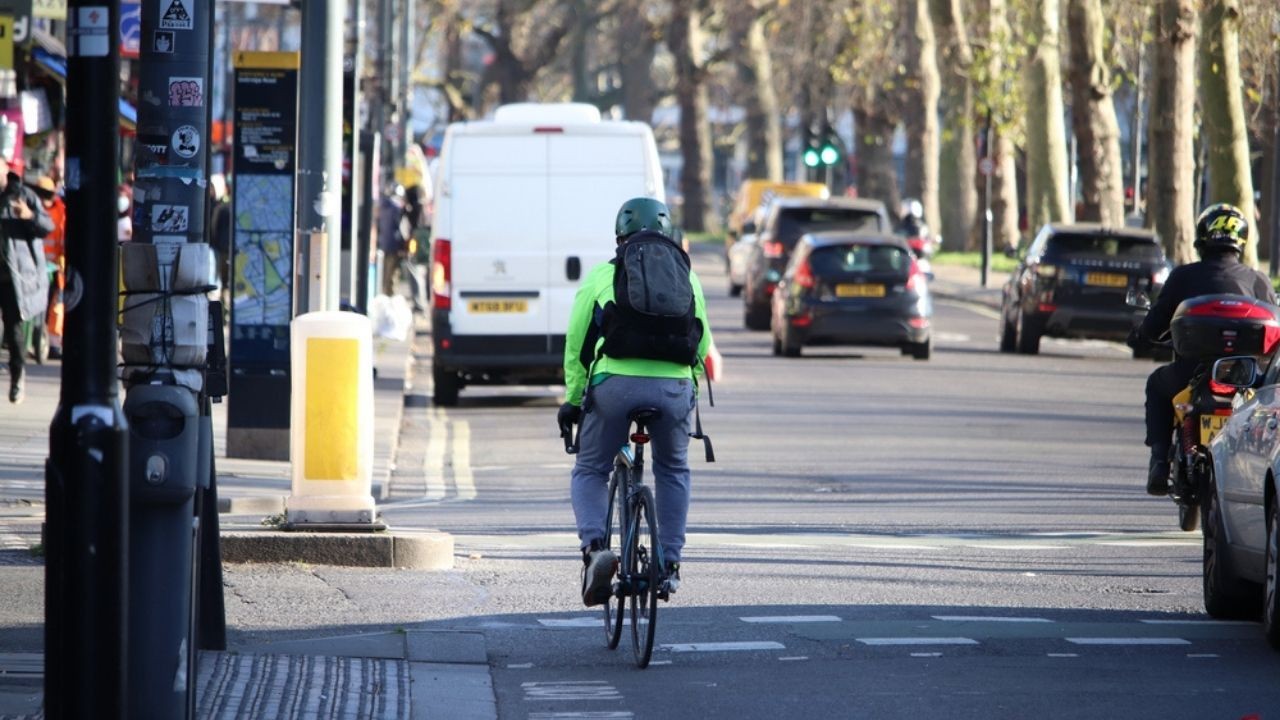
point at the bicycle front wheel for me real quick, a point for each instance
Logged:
(613, 606)
(644, 575)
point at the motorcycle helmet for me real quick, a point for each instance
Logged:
(1221, 227)
(912, 208)
(642, 213)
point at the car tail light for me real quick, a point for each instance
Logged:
(441, 275)
(1218, 388)
(804, 320)
(1045, 307)
(919, 322)
(804, 275)
(915, 278)
(772, 249)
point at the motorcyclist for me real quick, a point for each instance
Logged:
(617, 386)
(1221, 233)
(911, 223)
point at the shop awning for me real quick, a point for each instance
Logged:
(56, 65)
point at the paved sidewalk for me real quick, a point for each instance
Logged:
(414, 674)
(958, 282)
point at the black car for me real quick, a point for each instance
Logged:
(852, 289)
(1073, 282)
(786, 220)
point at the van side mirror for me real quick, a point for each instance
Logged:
(1236, 372)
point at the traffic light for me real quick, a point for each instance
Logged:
(823, 151)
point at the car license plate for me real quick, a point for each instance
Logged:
(1112, 280)
(859, 290)
(476, 307)
(1210, 425)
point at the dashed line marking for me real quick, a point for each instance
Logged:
(463, 480)
(1063, 655)
(519, 666)
(434, 466)
(570, 690)
(1202, 655)
(579, 622)
(619, 714)
(918, 641)
(985, 618)
(790, 619)
(1128, 641)
(793, 658)
(926, 655)
(724, 646)
(1197, 622)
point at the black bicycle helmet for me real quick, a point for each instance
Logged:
(642, 213)
(1221, 227)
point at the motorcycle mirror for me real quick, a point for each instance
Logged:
(1137, 298)
(1236, 372)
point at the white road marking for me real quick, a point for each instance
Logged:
(1202, 655)
(1063, 655)
(793, 658)
(570, 690)
(463, 480)
(581, 622)
(724, 646)
(790, 619)
(519, 666)
(1128, 641)
(983, 618)
(974, 308)
(659, 662)
(434, 466)
(951, 337)
(619, 714)
(1198, 622)
(927, 655)
(918, 641)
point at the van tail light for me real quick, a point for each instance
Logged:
(441, 275)
(772, 249)
(804, 275)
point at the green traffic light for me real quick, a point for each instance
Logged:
(829, 155)
(811, 157)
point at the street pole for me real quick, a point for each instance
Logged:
(403, 96)
(1136, 138)
(1275, 174)
(320, 157)
(169, 271)
(987, 216)
(87, 496)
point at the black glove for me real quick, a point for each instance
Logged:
(1135, 340)
(568, 415)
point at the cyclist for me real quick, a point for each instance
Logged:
(603, 387)
(1221, 232)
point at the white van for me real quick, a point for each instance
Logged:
(524, 207)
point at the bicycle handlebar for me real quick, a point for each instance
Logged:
(566, 434)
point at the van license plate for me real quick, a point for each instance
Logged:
(1113, 280)
(859, 290)
(1210, 426)
(476, 307)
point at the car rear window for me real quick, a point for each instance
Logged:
(794, 222)
(1067, 246)
(872, 259)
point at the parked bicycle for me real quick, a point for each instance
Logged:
(640, 583)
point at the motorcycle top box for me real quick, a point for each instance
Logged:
(1214, 326)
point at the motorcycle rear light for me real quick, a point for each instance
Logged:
(1270, 338)
(441, 275)
(1231, 309)
(1046, 307)
(1218, 388)
(446, 343)
(772, 249)
(639, 438)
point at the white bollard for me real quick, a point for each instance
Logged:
(331, 446)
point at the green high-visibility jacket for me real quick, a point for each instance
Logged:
(596, 292)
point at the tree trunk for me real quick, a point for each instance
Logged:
(957, 163)
(1270, 146)
(1171, 166)
(1047, 199)
(637, 44)
(686, 43)
(1222, 106)
(1003, 152)
(763, 116)
(1093, 116)
(921, 108)
(874, 128)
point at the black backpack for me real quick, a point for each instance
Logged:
(652, 315)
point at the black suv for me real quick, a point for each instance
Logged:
(1073, 281)
(785, 222)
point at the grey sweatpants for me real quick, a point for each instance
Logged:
(605, 430)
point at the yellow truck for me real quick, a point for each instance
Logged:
(755, 191)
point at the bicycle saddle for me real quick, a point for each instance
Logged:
(644, 415)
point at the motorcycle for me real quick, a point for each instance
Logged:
(1208, 328)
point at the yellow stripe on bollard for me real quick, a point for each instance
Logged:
(333, 409)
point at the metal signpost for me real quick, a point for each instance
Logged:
(86, 609)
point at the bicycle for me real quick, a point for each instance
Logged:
(640, 583)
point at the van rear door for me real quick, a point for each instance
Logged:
(590, 176)
(499, 234)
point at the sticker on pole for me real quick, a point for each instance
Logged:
(186, 92)
(162, 42)
(90, 32)
(186, 142)
(175, 16)
(170, 218)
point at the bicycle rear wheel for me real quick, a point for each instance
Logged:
(644, 575)
(613, 607)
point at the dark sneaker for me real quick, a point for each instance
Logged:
(598, 569)
(17, 390)
(671, 582)
(1158, 477)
